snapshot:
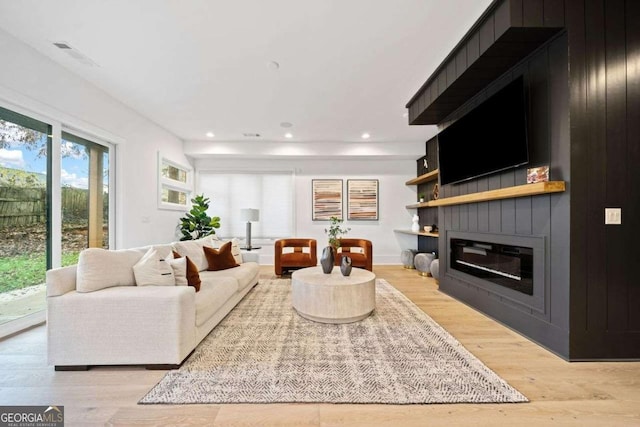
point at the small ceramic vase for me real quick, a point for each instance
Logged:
(326, 260)
(415, 227)
(345, 266)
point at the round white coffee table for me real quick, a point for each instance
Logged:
(333, 298)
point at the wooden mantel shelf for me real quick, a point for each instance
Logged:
(429, 176)
(417, 233)
(502, 193)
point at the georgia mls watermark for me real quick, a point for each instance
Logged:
(31, 416)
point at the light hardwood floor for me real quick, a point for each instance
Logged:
(561, 393)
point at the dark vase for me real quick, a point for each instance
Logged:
(345, 266)
(327, 259)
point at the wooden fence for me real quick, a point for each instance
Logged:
(21, 206)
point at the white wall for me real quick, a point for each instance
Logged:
(393, 193)
(30, 82)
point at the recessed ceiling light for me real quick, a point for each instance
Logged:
(210, 135)
(365, 136)
(288, 135)
(285, 125)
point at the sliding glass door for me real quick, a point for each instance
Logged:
(32, 211)
(84, 178)
(25, 200)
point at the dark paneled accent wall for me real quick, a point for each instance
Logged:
(604, 43)
(429, 216)
(546, 217)
(590, 74)
(506, 33)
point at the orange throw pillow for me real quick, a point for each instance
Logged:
(193, 276)
(220, 259)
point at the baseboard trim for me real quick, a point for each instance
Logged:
(16, 326)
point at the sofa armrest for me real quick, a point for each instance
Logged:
(61, 280)
(122, 325)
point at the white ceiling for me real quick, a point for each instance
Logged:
(193, 66)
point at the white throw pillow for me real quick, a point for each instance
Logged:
(235, 248)
(153, 269)
(102, 268)
(193, 249)
(179, 266)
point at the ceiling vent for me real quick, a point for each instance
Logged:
(251, 135)
(75, 53)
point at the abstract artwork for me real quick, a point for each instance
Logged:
(327, 199)
(362, 199)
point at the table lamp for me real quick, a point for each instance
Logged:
(249, 215)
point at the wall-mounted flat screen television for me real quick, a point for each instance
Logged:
(490, 138)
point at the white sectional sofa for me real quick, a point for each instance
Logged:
(97, 315)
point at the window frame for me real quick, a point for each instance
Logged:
(289, 172)
(175, 185)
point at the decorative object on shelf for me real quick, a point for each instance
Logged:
(434, 228)
(249, 215)
(539, 174)
(434, 268)
(421, 197)
(406, 257)
(436, 191)
(336, 231)
(196, 223)
(415, 227)
(362, 199)
(345, 266)
(327, 199)
(428, 228)
(326, 259)
(422, 165)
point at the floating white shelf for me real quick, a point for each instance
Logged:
(417, 233)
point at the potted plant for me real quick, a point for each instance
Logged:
(334, 232)
(196, 223)
(421, 197)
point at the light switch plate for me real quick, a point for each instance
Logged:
(613, 216)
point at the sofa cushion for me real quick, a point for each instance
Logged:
(235, 248)
(213, 294)
(193, 249)
(193, 276)
(220, 259)
(192, 273)
(246, 274)
(153, 269)
(102, 268)
(179, 265)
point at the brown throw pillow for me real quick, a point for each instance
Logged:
(193, 276)
(220, 259)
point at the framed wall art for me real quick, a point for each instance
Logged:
(326, 199)
(362, 199)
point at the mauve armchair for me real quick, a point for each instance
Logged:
(296, 258)
(362, 257)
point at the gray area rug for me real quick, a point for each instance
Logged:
(263, 352)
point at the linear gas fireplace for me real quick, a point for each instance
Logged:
(505, 265)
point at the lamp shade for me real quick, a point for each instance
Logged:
(249, 214)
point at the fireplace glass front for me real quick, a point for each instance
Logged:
(505, 265)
